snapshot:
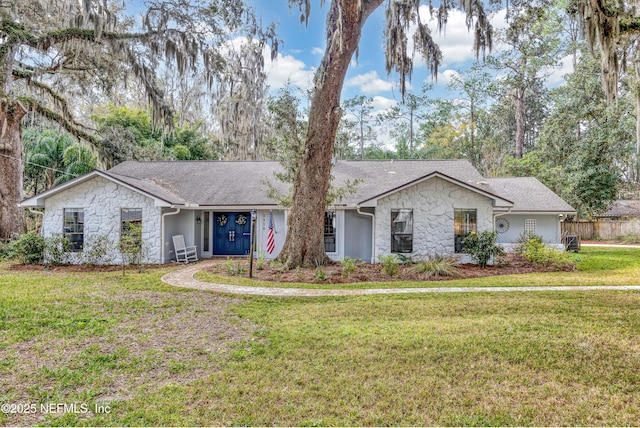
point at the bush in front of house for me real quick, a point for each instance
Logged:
(390, 264)
(29, 249)
(57, 249)
(541, 254)
(437, 265)
(482, 247)
(99, 250)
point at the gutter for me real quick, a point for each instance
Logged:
(162, 252)
(373, 232)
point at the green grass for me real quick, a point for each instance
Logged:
(621, 264)
(158, 355)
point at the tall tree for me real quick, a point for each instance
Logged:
(52, 52)
(358, 118)
(304, 245)
(241, 96)
(475, 87)
(533, 46)
(406, 116)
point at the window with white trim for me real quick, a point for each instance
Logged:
(465, 222)
(131, 224)
(401, 230)
(530, 226)
(330, 232)
(73, 227)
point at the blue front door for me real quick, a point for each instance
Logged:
(231, 234)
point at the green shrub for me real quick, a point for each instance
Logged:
(390, 264)
(30, 248)
(438, 265)
(98, 250)
(260, 261)
(131, 247)
(8, 250)
(482, 247)
(405, 260)
(523, 240)
(348, 266)
(56, 249)
(320, 274)
(541, 254)
(237, 268)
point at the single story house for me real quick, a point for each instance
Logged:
(410, 207)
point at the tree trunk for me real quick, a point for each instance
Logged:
(304, 244)
(636, 164)
(11, 169)
(519, 123)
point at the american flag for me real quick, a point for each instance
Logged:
(271, 239)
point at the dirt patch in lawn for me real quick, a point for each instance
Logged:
(368, 272)
(151, 340)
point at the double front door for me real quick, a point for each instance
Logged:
(231, 233)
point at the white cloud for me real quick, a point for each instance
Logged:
(456, 41)
(317, 51)
(370, 83)
(287, 68)
(558, 73)
(383, 103)
(445, 77)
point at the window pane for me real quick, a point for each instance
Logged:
(401, 230)
(530, 226)
(207, 225)
(330, 231)
(73, 228)
(464, 223)
(131, 224)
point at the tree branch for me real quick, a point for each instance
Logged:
(18, 34)
(69, 125)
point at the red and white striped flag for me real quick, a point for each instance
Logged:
(271, 239)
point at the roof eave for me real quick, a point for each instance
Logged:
(39, 200)
(498, 200)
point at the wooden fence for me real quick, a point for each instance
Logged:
(607, 230)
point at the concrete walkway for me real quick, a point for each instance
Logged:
(184, 278)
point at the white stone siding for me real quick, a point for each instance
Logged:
(433, 202)
(101, 201)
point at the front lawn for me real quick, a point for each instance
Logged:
(148, 354)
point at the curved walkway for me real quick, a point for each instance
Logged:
(184, 278)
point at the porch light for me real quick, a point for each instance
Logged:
(198, 220)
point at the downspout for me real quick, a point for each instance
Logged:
(41, 214)
(494, 222)
(162, 252)
(373, 232)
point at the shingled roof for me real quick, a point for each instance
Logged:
(242, 183)
(623, 208)
(529, 195)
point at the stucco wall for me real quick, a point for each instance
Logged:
(102, 200)
(433, 202)
(357, 236)
(547, 226)
(262, 229)
(183, 224)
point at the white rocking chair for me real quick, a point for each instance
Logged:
(184, 253)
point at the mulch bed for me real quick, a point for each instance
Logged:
(367, 272)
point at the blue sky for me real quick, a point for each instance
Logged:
(304, 45)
